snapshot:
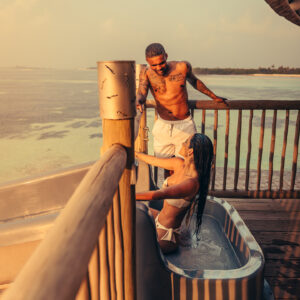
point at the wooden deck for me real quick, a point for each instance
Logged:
(275, 224)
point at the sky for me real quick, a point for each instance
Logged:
(77, 33)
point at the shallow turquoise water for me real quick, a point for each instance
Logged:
(50, 118)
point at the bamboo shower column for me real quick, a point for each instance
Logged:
(116, 84)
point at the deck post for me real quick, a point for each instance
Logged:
(116, 83)
(141, 142)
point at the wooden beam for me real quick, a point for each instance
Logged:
(239, 104)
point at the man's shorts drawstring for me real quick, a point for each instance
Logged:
(171, 129)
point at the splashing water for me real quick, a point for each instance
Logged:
(211, 250)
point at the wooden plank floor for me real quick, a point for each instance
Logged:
(275, 224)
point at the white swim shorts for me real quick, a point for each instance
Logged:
(169, 135)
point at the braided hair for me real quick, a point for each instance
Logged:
(203, 155)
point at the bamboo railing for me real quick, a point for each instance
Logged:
(242, 184)
(58, 265)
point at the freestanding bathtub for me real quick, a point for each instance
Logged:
(226, 263)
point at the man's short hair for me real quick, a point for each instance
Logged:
(154, 49)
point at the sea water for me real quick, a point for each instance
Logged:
(49, 118)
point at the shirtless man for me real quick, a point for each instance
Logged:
(167, 82)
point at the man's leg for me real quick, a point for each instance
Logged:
(181, 132)
(164, 152)
(162, 144)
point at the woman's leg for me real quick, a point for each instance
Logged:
(165, 245)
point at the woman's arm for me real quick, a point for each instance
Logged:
(184, 189)
(166, 163)
(149, 195)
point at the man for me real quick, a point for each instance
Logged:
(167, 82)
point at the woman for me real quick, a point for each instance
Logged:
(184, 191)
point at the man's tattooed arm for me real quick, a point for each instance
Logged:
(200, 86)
(142, 90)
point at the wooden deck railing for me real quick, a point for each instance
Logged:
(237, 181)
(59, 264)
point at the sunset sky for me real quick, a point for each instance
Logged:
(75, 34)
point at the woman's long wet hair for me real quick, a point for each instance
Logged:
(203, 156)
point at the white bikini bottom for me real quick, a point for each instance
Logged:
(169, 235)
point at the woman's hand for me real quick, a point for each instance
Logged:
(137, 154)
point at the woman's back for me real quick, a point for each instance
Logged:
(185, 189)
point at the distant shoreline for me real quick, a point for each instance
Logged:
(281, 71)
(281, 75)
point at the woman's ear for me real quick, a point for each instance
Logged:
(190, 151)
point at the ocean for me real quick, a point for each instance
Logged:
(49, 118)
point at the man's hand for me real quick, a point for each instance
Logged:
(140, 107)
(220, 100)
(140, 101)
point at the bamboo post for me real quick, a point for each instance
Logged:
(295, 152)
(116, 81)
(104, 265)
(260, 149)
(284, 144)
(111, 254)
(119, 252)
(93, 274)
(237, 150)
(226, 149)
(249, 150)
(140, 120)
(192, 113)
(203, 121)
(144, 129)
(214, 166)
(272, 149)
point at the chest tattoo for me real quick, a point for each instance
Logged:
(176, 77)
